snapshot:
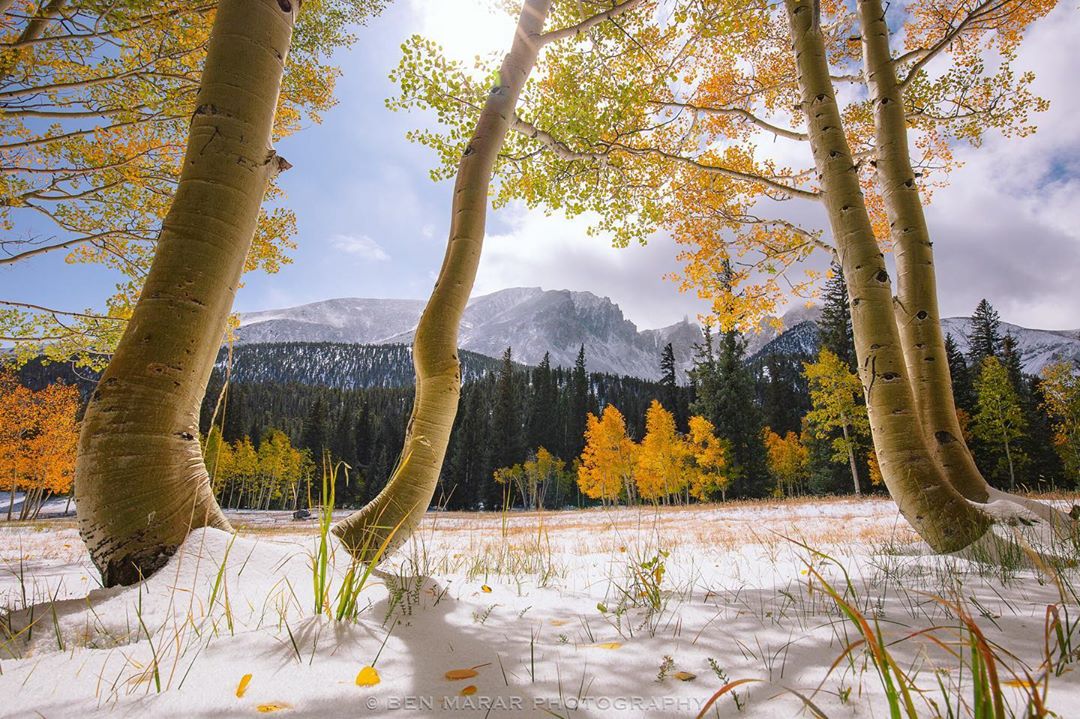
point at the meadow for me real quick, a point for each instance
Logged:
(822, 608)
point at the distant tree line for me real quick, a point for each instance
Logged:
(790, 424)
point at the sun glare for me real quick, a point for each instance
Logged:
(464, 28)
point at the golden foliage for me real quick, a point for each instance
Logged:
(38, 436)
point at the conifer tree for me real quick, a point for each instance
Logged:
(315, 437)
(578, 404)
(543, 406)
(985, 335)
(835, 325)
(703, 377)
(963, 390)
(506, 440)
(669, 386)
(725, 397)
(1012, 357)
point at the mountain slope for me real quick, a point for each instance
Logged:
(533, 321)
(1038, 348)
(530, 320)
(344, 366)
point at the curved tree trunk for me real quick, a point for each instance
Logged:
(140, 481)
(925, 497)
(916, 306)
(398, 508)
(916, 301)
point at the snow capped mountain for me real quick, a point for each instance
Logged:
(533, 321)
(530, 320)
(1038, 348)
(350, 320)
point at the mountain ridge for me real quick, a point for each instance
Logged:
(532, 321)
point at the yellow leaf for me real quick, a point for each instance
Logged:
(272, 707)
(1018, 683)
(368, 677)
(558, 622)
(486, 589)
(458, 674)
(469, 690)
(241, 688)
(608, 645)
(684, 676)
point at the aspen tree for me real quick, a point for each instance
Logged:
(390, 518)
(937, 511)
(140, 481)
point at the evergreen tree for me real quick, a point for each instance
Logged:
(963, 391)
(782, 391)
(703, 377)
(985, 338)
(670, 396)
(1012, 358)
(506, 440)
(543, 407)
(578, 406)
(834, 327)
(314, 438)
(725, 397)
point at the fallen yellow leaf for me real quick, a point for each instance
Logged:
(469, 690)
(684, 676)
(557, 622)
(485, 588)
(368, 677)
(272, 707)
(1018, 683)
(608, 645)
(241, 688)
(459, 674)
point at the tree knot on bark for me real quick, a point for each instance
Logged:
(944, 437)
(186, 436)
(280, 164)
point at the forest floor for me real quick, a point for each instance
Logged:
(626, 612)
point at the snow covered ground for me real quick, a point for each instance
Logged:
(629, 612)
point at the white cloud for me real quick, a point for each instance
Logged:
(556, 253)
(360, 246)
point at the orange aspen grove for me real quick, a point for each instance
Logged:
(709, 458)
(606, 469)
(661, 459)
(38, 435)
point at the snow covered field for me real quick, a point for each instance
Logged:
(628, 612)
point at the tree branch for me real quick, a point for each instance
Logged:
(740, 113)
(587, 23)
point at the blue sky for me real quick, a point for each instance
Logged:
(372, 224)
